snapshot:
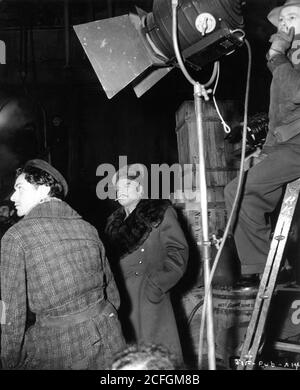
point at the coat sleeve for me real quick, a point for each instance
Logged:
(13, 296)
(175, 261)
(112, 293)
(286, 75)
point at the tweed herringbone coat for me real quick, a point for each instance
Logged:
(53, 263)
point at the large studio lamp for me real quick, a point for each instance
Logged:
(138, 49)
(141, 49)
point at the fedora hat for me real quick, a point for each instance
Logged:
(273, 16)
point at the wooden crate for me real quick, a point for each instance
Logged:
(191, 210)
(220, 167)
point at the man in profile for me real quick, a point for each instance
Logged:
(53, 264)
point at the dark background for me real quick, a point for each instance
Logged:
(83, 127)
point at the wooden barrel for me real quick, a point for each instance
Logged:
(232, 310)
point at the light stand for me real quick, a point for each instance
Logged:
(139, 50)
(205, 244)
(199, 93)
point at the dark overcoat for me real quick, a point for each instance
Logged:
(53, 264)
(153, 255)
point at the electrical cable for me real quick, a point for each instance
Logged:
(226, 127)
(175, 43)
(199, 91)
(236, 199)
(216, 73)
(178, 54)
(193, 312)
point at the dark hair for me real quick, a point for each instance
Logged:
(38, 177)
(152, 356)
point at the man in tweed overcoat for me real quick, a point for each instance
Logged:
(53, 265)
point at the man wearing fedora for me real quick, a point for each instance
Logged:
(151, 258)
(53, 265)
(279, 162)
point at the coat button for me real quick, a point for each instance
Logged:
(136, 274)
(142, 250)
(140, 262)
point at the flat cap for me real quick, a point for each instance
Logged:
(46, 167)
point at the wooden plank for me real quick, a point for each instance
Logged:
(218, 152)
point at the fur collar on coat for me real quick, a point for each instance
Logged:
(127, 235)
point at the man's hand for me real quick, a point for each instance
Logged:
(281, 41)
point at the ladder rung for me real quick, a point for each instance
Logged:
(251, 345)
(289, 347)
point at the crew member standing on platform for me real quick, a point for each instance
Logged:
(152, 258)
(53, 264)
(279, 161)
